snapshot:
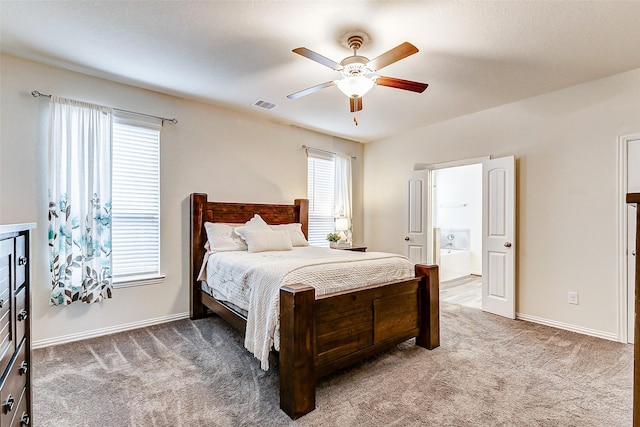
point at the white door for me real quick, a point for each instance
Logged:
(498, 236)
(417, 221)
(633, 186)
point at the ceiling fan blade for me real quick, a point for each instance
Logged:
(401, 84)
(355, 102)
(389, 57)
(318, 58)
(311, 89)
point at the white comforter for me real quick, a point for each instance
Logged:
(252, 282)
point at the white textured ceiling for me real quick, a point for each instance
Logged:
(474, 55)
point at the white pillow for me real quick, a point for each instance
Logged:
(295, 233)
(221, 237)
(254, 224)
(268, 240)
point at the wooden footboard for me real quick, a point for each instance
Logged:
(320, 336)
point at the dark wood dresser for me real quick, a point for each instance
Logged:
(15, 325)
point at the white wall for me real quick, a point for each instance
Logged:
(565, 145)
(457, 200)
(231, 156)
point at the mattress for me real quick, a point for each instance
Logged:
(250, 282)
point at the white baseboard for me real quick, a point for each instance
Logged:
(106, 331)
(568, 327)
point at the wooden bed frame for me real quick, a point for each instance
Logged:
(321, 335)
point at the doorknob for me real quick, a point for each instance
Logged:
(507, 245)
(406, 238)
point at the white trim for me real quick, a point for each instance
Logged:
(106, 331)
(127, 282)
(450, 164)
(568, 327)
(621, 208)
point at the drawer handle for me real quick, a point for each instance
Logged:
(22, 315)
(23, 368)
(22, 260)
(8, 405)
(24, 419)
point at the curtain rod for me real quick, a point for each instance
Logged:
(306, 147)
(174, 121)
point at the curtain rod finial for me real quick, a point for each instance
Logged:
(37, 94)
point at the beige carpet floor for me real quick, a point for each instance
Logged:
(488, 371)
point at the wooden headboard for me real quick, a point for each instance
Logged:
(204, 211)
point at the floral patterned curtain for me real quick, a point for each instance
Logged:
(79, 202)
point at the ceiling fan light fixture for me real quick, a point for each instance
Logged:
(355, 86)
(359, 74)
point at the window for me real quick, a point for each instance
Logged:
(320, 190)
(136, 201)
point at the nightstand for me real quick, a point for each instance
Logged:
(355, 248)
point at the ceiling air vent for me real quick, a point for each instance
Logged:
(264, 104)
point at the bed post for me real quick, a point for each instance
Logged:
(429, 294)
(303, 215)
(297, 350)
(197, 233)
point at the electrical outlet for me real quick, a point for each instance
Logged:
(572, 297)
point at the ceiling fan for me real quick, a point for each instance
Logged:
(359, 73)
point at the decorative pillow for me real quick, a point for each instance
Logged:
(221, 237)
(268, 240)
(295, 233)
(254, 224)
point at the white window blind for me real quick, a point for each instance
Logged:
(136, 200)
(320, 189)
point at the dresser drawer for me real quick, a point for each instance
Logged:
(14, 384)
(21, 418)
(21, 314)
(20, 365)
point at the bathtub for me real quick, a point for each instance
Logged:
(454, 264)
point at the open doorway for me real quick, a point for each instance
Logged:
(422, 244)
(629, 182)
(457, 235)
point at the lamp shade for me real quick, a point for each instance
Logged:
(355, 86)
(342, 224)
